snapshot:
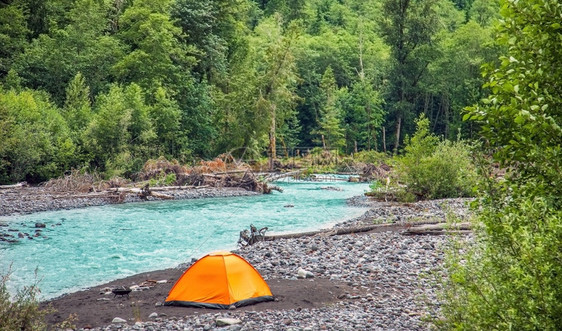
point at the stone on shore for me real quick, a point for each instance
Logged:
(302, 274)
(227, 321)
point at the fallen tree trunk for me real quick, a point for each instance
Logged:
(275, 188)
(161, 196)
(439, 229)
(177, 188)
(142, 192)
(18, 185)
(336, 232)
(408, 229)
(434, 232)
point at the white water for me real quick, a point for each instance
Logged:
(85, 247)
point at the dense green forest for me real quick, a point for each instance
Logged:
(107, 84)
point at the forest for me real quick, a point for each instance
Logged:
(105, 85)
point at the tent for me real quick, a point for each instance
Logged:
(219, 280)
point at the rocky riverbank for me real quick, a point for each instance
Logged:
(27, 200)
(379, 280)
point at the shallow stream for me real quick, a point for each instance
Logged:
(85, 247)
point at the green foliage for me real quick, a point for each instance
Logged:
(165, 116)
(511, 278)
(330, 128)
(454, 79)
(118, 136)
(370, 157)
(36, 144)
(484, 12)
(375, 185)
(170, 179)
(156, 56)
(163, 179)
(218, 75)
(13, 33)
(521, 117)
(432, 169)
(21, 312)
(77, 107)
(365, 115)
(408, 27)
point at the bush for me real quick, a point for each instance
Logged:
(373, 157)
(512, 277)
(431, 169)
(22, 312)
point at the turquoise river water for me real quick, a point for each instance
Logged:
(85, 247)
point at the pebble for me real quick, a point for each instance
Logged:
(227, 321)
(118, 320)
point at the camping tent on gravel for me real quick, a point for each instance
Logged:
(219, 280)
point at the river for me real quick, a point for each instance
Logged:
(85, 247)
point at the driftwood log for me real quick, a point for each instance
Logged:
(439, 229)
(251, 237)
(403, 228)
(336, 232)
(143, 192)
(13, 186)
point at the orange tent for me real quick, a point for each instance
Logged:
(219, 280)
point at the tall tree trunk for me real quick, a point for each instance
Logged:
(272, 141)
(384, 138)
(398, 128)
(446, 106)
(370, 127)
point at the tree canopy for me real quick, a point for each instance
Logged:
(190, 79)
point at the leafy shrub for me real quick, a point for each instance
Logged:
(170, 179)
(35, 142)
(22, 312)
(375, 185)
(512, 277)
(373, 157)
(123, 164)
(433, 169)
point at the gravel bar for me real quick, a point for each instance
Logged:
(390, 274)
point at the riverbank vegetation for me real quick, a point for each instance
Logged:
(511, 278)
(21, 312)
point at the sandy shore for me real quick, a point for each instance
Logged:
(375, 280)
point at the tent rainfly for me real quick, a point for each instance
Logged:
(219, 280)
